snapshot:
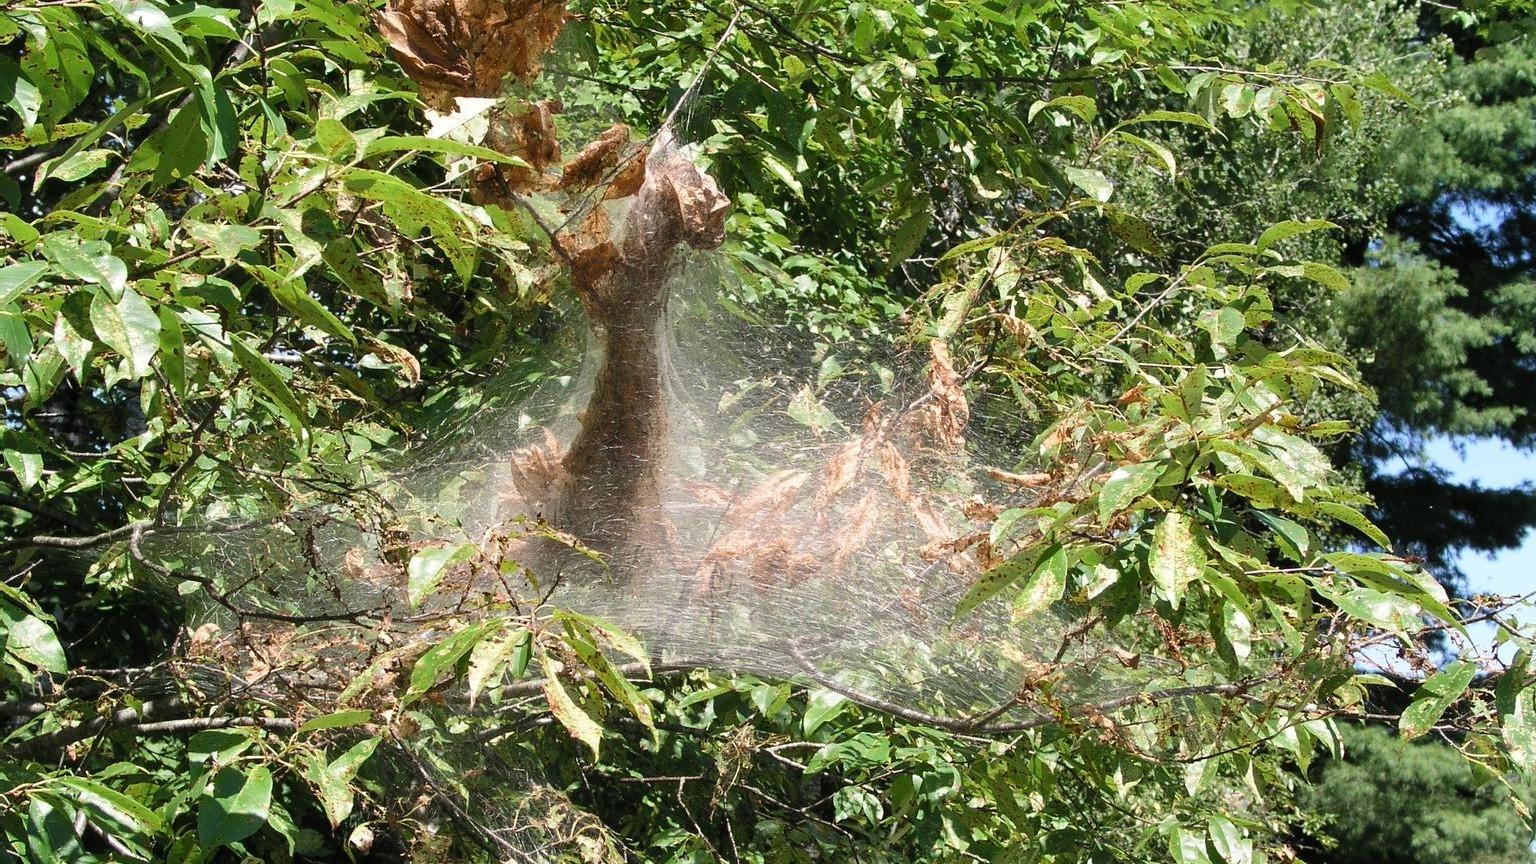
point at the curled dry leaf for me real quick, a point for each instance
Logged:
(855, 533)
(936, 528)
(777, 563)
(602, 157)
(771, 497)
(893, 467)
(677, 203)
(529, 135)
(536, 474)
(466, 47)
(841, 469)
(1027, 481)
(951, 413)
(592, 254)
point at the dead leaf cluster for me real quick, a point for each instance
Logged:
(466, 47)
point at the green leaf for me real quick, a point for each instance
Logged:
(441, 658)
(396, 143)
(1092, 182)
(1224, 325)
(333, 780)
(220, 746)
(1386, 611)
(1175, 558)
(111, 806)
(337, 720)
(823, 705)
(488, 658)
(226, 241)
(412, 209)
(584, 643)
(27, 466)
(1518, 726)
(1155, 148)
(621, 641)
(777, 168)
(130, 327)
(235, 808)
(1187, 847)
(1237, 630)
(808, 411)
(1126, 484)
(290, 293)
(21, 95)
(425, 570)
(1002, 526)
(34, 642)
(91, 261)
(1263, 493)
(1293, 539)
(269, 380)
(1324, 275)
(1356, 520)
(1438, 692)
(1291, 228)
(51, 833)
(16, 278)
(998, 578)
(1228, 841)
(1083, 106)
(74, 168)
(1184, 117)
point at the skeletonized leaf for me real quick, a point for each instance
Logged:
(129, 327)
(576, 721)
(1175, 559)
(1434, 696)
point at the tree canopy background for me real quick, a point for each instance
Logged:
(242, 276)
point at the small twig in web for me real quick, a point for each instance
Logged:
(693, 88)
(484, 833)
(969, 725)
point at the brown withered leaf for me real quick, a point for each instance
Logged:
(981, 511)
(628, 177)
(854, 534)
(677, 203)
(893, 467)
(782, 565)
(841, 470)
(700, 202)
(465, 47)
(592, 253)
(597, 159)
(707, 493)
(772, 497)
(952, 413)
(529, 135)
(935, 528)
(536, 473)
